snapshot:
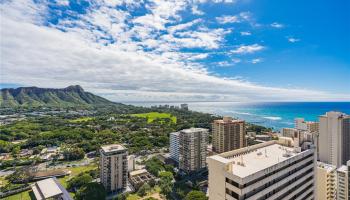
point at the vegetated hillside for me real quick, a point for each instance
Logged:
(72, 96)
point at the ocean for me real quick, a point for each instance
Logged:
(276, 115)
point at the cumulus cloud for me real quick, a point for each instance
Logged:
(277, 25)
(196, 11)
(124, 58)
(248, 49)
(227, 19)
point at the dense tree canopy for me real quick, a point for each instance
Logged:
(79, 181)
(91, 191)
(166, 182)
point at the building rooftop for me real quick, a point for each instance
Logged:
(175, 133)
(250, 160)
(190, 130)
(112, 148)
(137, 172)
(327, 167)
(50, 188)
(228, 120)
(343, 168)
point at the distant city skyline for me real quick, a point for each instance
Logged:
(222, 50)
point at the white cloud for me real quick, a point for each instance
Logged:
(246, 33)
(183, 26)
(121, 69)
(236, 60)
(62, 2)
(277, 25)
(256, 60)
(293, 40)
(248, 49)
(243, 16)
(227, 19)
(196, 11)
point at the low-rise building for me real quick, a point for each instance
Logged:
(289, 132)
(139, 177)
(263, 138)
(301, 124)
(131, 163)
(50, 189)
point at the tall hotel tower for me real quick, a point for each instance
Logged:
(228, 134)
(193, 149)
(113, 167)
(334, 138)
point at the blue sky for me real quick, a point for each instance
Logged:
(200, 50)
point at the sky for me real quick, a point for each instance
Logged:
(181, 50)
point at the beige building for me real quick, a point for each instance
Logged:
(268, 170)
(193, 149)
(343, 184)
(290, 132)
(228, 134)
(326, 181)
(114, 167)
(310, 126)
(334, 138)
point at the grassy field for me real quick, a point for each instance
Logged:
(151, 116)
(81, 119)
(26, 195)
(153, 193)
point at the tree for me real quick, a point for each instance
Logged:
(122, 196)
(144, 189)
(73, 153)
(196, 195)
(154, 166)
(91, 191)
(14, 153)
(79, 181)
(166, 182)
(20, 176)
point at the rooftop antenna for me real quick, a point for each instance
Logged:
(265, 153)
(242, 163)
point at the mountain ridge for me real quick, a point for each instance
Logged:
(71, 96)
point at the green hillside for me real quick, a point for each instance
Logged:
(72, 96)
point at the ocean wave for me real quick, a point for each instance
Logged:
(273, 118)
(242, 113)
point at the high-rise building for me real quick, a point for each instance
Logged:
(343, 176)
(267, 170)
(228, 134)
(174, 146)
(184, 106)
(334, 138)
(193, 149)
(301, 124)
(326, 181)
(113, 167)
